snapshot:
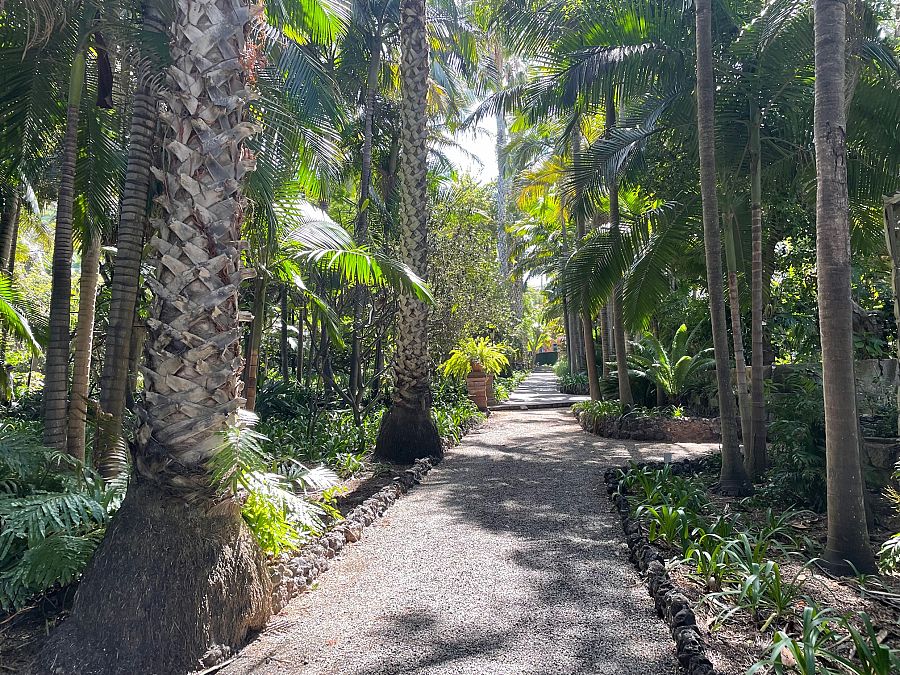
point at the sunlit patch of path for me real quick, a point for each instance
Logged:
(539, 390)
(507, 559)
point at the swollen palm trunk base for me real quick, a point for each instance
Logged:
(407, 434)
(161, 608)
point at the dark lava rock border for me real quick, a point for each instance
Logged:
(672, 604)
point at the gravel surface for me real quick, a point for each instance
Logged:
(507, 559)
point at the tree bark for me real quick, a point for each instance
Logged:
(84, 335)
(407, 431)
(733, 479)
(756, 457)
(848, 540)
(56, 370)
(126, 276)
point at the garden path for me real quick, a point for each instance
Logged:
(538, 390)
(507, 559)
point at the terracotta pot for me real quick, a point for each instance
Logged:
(476, 384)
(489, 390)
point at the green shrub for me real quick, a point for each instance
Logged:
(53, 512)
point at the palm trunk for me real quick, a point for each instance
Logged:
(407, 430)
(740, 364)
(587, 323)
(251, 371)
(284, 354)
(202, 578)
(618, 324)
(126, 278)
(8, 226)
(848, 540)
(733, 479)
(757, 459)
(84, 334)
(605, 334)
(56, 373)
(301, 327)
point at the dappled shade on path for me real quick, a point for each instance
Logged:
(506, 559)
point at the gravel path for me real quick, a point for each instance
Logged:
(507, 559)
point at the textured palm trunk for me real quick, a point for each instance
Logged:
(301, 327)
(200, 580)
(9, 235)
(284, 350)
(757, 455)
(8, 226)
(734, 305)
(84, 336)
(251, 369)
(618, 324)
(407, 430)
(126, 279)
(733, 479)
(848, 540)
(587, 322)
(56, 370)
(740, 366)
(605, 334)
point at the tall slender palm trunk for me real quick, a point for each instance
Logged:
(56, 373)
(84, 337)
(756, 457)
(9, 220)
(848, 540)
(605, 334)
(737, 332)
(733, 479)
(200, 580)
(407, 430)
(618, 326)
(126, 277)
(587, 321)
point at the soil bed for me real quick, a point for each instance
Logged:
(733, 645)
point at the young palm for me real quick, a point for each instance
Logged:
(407, 430)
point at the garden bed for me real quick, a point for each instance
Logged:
(748, 570)
(607, 419)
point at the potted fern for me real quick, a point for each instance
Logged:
(477, 360)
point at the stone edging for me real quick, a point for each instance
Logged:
(294, 573)
(672, 430)
(671, 604)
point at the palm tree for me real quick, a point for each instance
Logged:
(733, 479)
(202, 577)
(407, 429)
(84, 334)
(127, 265)
(56, 374)
(848, 540)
